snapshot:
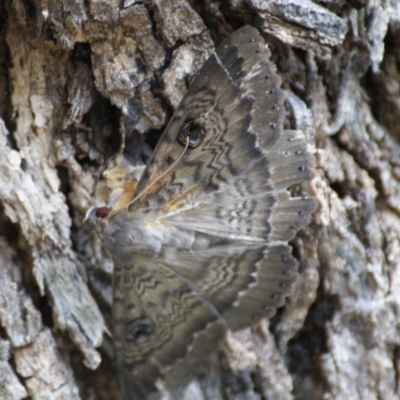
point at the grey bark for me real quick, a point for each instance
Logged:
(79, 78)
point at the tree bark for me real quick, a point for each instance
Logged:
(79, 79)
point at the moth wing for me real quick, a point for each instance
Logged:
(247, 269)
(235, 101)
(160, 323)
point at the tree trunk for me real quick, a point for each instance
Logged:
(79, 79)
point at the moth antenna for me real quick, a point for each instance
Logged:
(123, 142)
(153, 183)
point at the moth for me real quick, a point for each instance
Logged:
(200, 243)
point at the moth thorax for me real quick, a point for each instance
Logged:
(134, 235)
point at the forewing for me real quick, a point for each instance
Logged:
(237, 103)
(158, 321)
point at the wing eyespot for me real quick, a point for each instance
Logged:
(191, 132)
(137, 328)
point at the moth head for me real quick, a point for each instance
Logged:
(97, 218)
(191, 134)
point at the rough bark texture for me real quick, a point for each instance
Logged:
(79, 78)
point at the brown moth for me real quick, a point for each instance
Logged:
(201, 246)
